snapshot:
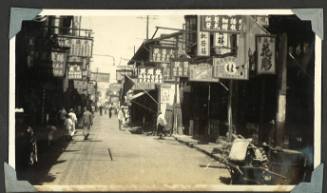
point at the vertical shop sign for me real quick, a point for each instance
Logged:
(222, 43)
(265, 46)
(58, 63)
(203, 40)
(166, 69)
(203, 48)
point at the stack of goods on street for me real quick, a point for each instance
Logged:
(252, 164)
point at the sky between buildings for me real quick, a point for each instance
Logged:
(117, 35)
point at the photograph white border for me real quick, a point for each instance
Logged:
(121, 12)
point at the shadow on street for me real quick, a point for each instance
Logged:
(47, 157)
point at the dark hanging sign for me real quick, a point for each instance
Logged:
(265, 46)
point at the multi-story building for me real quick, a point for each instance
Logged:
(250, 75)
(51, 53)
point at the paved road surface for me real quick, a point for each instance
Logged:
(137, 160)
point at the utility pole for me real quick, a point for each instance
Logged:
(209, 98)
(147, 27)
(147, 24)
(230, 112)
(175, 121)
(281, 97)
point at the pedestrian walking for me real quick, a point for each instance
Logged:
(87, 120)
(110, 110)
(62, 117)
(101, 109)
(69, 127)
(161, 123)
(73, 116)
(121, 118)
(79, 114)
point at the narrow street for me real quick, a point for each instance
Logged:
(137, 160)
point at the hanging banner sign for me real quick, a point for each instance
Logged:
(221, 23)
(162, 54)
(74, 72)
(222, 43)
(100, 77)
(180, 69)
(203, 44)
(228, 68)
(79, 46)
(201, 72)
(265, 46)
(58, 63)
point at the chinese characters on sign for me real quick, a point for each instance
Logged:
(166, 71)
(266, 54)
(151, 75)
(222, 43)
(180, 68)
(201, 72)
(74, 72)
(221, 23)
(162, 54)
(229, 68)
(203, 48)
(58, 63)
